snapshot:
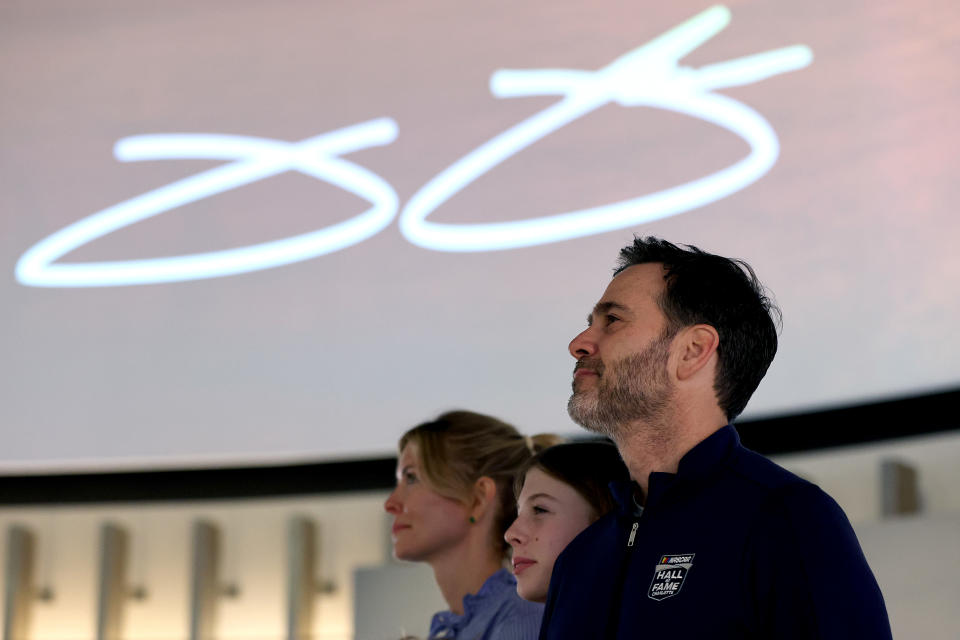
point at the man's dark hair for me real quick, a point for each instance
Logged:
(702, 288)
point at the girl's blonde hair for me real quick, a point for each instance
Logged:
(460, 447)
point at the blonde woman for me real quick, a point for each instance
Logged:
(452, 505)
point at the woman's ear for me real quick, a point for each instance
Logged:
(484, 498)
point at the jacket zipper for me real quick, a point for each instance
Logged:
(613, 621)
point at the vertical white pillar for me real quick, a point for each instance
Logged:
(898, 489)
(18, 580)
(112, 581)
(301, 580)
(205, 580)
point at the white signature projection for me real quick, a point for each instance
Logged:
(254, 159)
(647, 76)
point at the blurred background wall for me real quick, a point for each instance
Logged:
(912, 544)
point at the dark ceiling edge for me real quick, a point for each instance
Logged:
(855, 425)
(199, 484)
(892, 419)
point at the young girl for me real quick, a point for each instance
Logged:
(453, 502)
(563, 491)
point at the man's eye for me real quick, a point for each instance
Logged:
(611, 319)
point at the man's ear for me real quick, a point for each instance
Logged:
(484, 497)
(696, 345)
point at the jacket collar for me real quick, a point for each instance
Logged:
(696, 465)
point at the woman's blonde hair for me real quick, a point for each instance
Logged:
(460, 447)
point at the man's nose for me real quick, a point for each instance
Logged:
(583, 344)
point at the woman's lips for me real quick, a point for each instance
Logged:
(521, 564)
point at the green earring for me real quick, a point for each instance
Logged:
(473, 520)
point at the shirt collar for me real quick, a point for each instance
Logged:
(446, 624)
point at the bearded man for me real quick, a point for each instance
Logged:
(711, 539)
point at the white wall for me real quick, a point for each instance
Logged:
(254, 557)
(917, 563)
(852, 474)
(916, 559)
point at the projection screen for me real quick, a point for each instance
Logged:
(255, 233)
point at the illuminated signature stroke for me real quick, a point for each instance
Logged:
(254, 159)
(646, 76)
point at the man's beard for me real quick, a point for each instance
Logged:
(640, 391)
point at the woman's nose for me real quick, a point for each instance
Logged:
(393, 504)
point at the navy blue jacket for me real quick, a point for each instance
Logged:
(731, 546)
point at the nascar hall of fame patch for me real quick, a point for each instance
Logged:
(669, 575)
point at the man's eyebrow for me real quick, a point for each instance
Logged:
(602, 307)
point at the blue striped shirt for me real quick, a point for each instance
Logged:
(495, 612)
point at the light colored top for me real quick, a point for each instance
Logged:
(495, 612)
